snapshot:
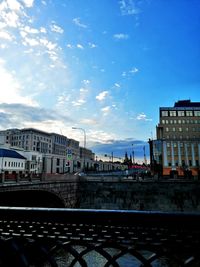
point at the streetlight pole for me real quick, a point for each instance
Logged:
(84, 144)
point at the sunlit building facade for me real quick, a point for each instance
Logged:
(176, 150)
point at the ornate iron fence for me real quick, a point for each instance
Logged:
(70, 237)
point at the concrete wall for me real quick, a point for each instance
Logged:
(129, 195)
(160, 196)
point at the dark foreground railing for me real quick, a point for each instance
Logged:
(67, 237)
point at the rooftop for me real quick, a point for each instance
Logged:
(186, 103)
(7, 153)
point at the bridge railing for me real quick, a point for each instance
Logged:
(67, 237)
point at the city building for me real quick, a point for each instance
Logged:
(12, 164)
(176, 150)
(29, 139)
(50, 153)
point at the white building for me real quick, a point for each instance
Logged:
(12, 164)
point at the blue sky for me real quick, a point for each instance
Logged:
(105, 66)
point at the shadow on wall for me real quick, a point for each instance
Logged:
(31, 198)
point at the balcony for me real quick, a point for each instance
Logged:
(72, 237)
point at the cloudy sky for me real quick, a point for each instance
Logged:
(105, 66)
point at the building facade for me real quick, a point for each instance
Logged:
(176, 150)
(50, 153)
(12, 163)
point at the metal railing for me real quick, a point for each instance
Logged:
(72, 237)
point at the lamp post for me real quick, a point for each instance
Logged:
(84, 144)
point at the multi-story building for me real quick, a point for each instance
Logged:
(176, 151)
(59, 154)
(28, 139)
(51, 146)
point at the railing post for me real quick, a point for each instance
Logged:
(2, 177)
(17, 178)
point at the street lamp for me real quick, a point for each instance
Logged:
(84, 144)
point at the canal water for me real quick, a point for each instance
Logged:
(94, 259)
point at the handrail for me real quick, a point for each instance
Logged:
(36, 235)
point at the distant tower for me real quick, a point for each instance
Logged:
(145, 159)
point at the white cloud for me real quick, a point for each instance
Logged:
(142, 117)
(101, 96)
(88, 121)
(117, 85)
(121, 36)
(105, 110)
(28, 3)
(5, 35)
(10, 92)
(82, 97)
(91, 45)
(10, 18)
(131, 72)
(56, 28)
(128, 7)
(69, 46)
(101, 136)
(31, 41)
(79, 46)
(43, 30)
(14, 5)
(28, 29)
(78, 102)
(77, 22)
(86, 82)
(134, 70)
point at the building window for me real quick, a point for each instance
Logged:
(167, 129)
(181, 113)
(163, 121)
(5, 163)
(197, 113)
(180, 129)
(172, 113)
(189, 113)
(179, 122)
(174, 129)
(164, 113)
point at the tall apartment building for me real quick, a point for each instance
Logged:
(176, 150)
